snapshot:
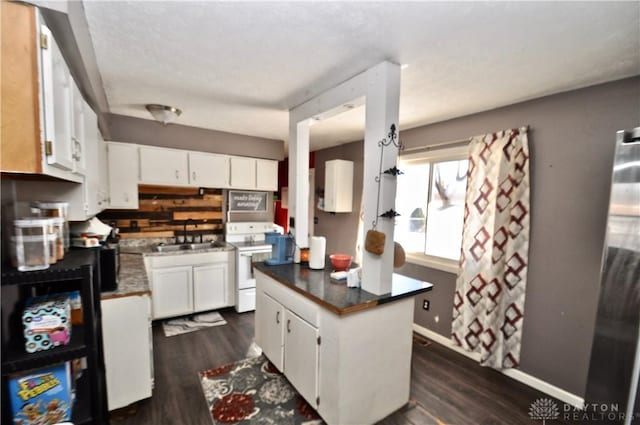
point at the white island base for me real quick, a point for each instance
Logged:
(353, 365)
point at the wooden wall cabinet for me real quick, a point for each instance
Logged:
(43, 127)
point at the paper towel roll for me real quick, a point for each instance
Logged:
(317, 250)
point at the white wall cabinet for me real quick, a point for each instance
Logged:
(208, 170)
(128, 349)
(266, 175)
(79, 131)
(338, 186)
(253, 174)
(57, 92)
(243, 173)
(291, 344)
(163, 166)
(188, 283)
(122, 161)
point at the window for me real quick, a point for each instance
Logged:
(430, 199)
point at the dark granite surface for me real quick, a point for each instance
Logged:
(132, 279)
(318, 286)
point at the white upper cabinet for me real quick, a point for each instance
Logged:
(208, 170)
(266, 175)
(122, 160)
(253, 174)
(80, 133)
(338, 186)
(163, 166)
(57, 93)
(91, 158)
(243, 173)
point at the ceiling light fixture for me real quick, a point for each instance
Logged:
(163, 113)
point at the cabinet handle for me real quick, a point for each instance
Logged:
(126, 197)
(278, 317)
(194, 175)
(289, 326)
(177, 174)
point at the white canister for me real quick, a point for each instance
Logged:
(317, 252)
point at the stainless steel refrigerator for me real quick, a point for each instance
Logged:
(615, 355)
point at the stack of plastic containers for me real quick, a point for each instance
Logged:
(30, 244)
(56, 210)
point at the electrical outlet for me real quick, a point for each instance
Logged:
(426, 304)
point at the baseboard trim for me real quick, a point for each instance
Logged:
(516, 374)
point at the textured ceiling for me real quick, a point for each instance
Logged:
(240, 66)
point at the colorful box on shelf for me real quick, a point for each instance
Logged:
(41, 396)
(47, 322)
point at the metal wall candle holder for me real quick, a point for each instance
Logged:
(392, 138)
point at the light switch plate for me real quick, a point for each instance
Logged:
(426, 304)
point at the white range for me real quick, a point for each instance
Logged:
(248, 238)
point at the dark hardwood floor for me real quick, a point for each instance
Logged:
(446, 387)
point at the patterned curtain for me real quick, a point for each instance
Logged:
(488, 307)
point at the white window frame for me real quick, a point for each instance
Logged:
(440, 154)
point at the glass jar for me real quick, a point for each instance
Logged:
(54, 209)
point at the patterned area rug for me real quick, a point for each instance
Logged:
(195, 322)
(252, 391)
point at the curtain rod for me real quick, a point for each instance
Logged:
(436, 146)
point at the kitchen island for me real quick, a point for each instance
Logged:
(346, 351)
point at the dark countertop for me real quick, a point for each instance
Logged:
(132, 279)
(334, 295)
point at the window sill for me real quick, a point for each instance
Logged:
(445, 265)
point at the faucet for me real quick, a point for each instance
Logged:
(184, 230)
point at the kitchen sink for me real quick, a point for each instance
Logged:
(188, 246)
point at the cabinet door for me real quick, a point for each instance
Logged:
(163, 166)
(103, 174)
(171, 291)
(243, 173)
(208, 170)
(210, 287)
(57, 104)
(127, 344)
(266, 175)
(91, 158)
(338, 186)
(78, 131)
(270, 329)
(301, 356)
(122, 163)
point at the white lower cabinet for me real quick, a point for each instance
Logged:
(172, 291)
(353, 368)
(291, 343)
(128, 355)
(210, 287)
(189, 283)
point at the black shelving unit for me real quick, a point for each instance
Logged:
(78, 271)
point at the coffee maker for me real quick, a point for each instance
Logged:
(282, 248)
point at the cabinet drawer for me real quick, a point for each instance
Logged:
(295, 302)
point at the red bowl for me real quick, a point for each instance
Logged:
(340, 262)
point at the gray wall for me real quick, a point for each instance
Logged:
(148, 132)
(571, 138)
(340, 228)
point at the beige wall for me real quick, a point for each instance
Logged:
(572, 137)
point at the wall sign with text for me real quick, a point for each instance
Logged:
(247, 201)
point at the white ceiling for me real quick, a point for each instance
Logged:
(240, 66)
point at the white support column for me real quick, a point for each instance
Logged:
(298, 181)
(383, 104)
